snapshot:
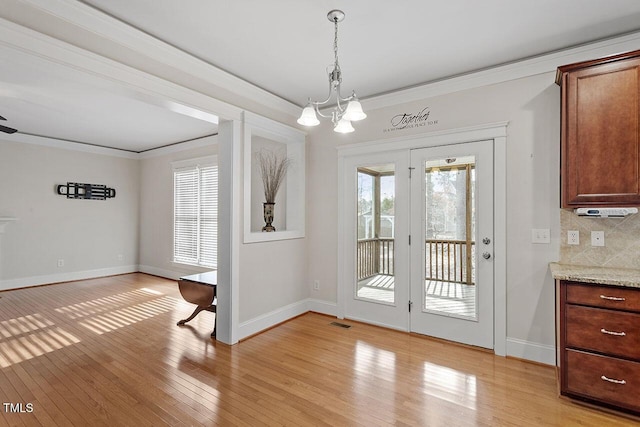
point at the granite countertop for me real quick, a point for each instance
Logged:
(629, 277)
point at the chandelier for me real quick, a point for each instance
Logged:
(347, 109)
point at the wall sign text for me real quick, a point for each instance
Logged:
(410, 120)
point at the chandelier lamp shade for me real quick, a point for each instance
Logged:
(347, 109)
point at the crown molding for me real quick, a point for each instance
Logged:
(529, 67)
(206, 141)
(116, 31)
(68, 145)
(61, 144)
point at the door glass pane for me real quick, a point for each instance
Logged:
(449, 285)
(375, 235)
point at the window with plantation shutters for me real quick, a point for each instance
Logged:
(195, 213)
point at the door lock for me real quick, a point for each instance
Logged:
(486, 240)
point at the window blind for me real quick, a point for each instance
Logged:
(196, 215)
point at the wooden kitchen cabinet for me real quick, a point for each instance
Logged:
(600, 130)
(599, 331)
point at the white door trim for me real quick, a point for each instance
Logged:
(495, 131)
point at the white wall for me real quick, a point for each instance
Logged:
(272, 273)
(156, 210)
(532, 107)
(272, 277)
(89, 235)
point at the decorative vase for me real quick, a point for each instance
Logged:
(268, 217)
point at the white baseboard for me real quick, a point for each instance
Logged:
(322, 307)
(267, 320)
(533, 351)
(25, 282)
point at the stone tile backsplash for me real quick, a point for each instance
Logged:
(621, 238)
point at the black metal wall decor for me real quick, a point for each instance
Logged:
(76, 190)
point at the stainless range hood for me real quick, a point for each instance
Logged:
(605, 212)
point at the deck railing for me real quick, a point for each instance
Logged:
(446, 260)
(375, 256)
(449, 260)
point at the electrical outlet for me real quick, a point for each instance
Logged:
(597, 238)
(573, 237)
(540, 235)
(60, 263)
(316, 285)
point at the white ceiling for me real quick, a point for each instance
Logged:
(42, 98)
(284, 47)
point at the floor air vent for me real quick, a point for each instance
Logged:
(340, 325)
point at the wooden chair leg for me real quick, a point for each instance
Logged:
(213, 334)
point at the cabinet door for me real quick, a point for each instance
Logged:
(600, 159)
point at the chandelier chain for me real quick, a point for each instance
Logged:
(335, 42)
(346, 109)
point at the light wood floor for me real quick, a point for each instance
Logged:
(108, 352)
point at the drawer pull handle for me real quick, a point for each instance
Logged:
(618, 334)
(611, 380)
(612, 298)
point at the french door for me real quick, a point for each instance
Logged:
(452, 279)
(376, 253)
(418, 241)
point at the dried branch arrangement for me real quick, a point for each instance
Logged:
(273, 167)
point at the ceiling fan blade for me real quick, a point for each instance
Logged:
(7, 130)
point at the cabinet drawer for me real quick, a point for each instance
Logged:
(608, 379)
(604, 296)
(606, 331)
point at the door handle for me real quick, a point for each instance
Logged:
(486, 255)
